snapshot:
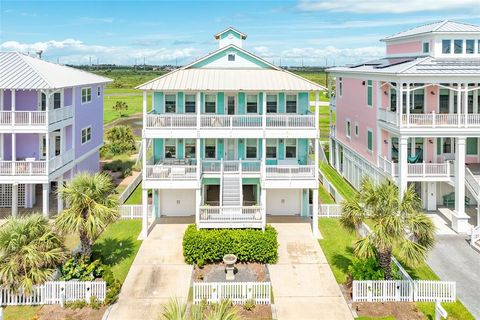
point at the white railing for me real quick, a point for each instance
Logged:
(130, 188)
(430, 120)
(132, 211)
(290, 172)
(387, 116)
(230, 214)
(403, 290)
(472, 182)
(59, 161)
(56, 292)
(329, 210)
(418, 170)
(475, 235)
(171, 121)
(23, 118)
(236, 292)
(215, 166)
(23, 168)
(290, 121)
(171, 172)
(388, 166)
(231, 121)
(60, 114)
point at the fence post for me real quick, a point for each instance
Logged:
(369, 291)
(88, 291)
(249, 290)
(215, 294)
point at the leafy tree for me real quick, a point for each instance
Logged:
(397, 223)
(120, 139)
(92, 206)
(120, 107)
(29, 252)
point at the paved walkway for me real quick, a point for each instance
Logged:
(454, 259)
(303, 283)
(157, 274)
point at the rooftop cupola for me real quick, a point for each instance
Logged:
(230, 36)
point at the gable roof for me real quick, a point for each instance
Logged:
(445, 26)
(242, 35)
(23, 72)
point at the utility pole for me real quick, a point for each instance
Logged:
(90, 62)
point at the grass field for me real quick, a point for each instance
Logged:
(136, 196)
(134, 106)
(20, 312)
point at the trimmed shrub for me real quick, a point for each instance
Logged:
(249, 245)
(369, 269)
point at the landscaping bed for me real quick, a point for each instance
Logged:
(245, 272)
(56, 312)
(388, 310)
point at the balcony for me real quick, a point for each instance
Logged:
(290, 172)
(171, 169)
(61, 160)
(31, 119)
(218, 166)
(430, 120)
(418, 171)
(230, 217)
(23, 168)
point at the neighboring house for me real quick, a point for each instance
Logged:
(414, 116)
(51, 126)
(232, 140)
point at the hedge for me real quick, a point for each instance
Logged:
(249, 245)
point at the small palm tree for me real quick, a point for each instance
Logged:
(91, 207)
(29, 252)
(223, 310)
(175, 309)
(397, 223)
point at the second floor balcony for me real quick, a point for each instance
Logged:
(430, 120)
(34, 119)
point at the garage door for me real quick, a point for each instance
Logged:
(177, 202)
(284, 201)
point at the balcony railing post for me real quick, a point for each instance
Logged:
(433, 119)
(424, 168)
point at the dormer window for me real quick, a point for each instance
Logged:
(231, 57)
(426, 47)
(458, 46)
(470, 46)
(446, 46)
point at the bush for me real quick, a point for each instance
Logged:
(77, 304)
(81, 268)
(369, 269)
(120, 165)
(120, 140)
(249, 245)
(249, 305)
(113, 287)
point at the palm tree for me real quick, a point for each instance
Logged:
(29, 252)
(397, 223)
(91, 207)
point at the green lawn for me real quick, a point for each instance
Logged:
(20, 312)
(118, 245)
(135, 105)
(342, 186)
(136, 196)
(123, 91)
(455, 310)
(323, 196)
(128, 78)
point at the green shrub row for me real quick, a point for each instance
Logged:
(249, 245)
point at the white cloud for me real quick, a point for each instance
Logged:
(386, 6)
(74, 51)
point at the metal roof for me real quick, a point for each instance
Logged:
(445, 26)
(231, 80)
(23, 72)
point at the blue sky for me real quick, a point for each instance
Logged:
(314, 32)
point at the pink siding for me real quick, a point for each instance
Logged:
(429, 152)
(431, 99)
(385, 146)
(406, 47)
(353, 106)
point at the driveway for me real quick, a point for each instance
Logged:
(303, 283)
(157, 274)
(453, 259)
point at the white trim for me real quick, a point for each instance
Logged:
(86, 133)
(226, 142)
(276, 149)
(296, 101)
(81, 95)
(175, 144)
(216, 148)
(185, 94)
(185, 146)
(423, 46)
(277, 94)
(356, 126)
(256, 150)
(285, 148)
(371, 87)
(205, 94)
(176, 102)
(246, 102)
(347, 134)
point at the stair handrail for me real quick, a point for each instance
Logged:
(475, 185)
(475, 235)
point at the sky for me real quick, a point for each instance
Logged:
(302, 32)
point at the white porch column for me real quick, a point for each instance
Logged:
(263, 203)
(407, 109)
(199, 163)
(330, 151)
(459, 217)
(13, 107)
(144, 158)
(317, 107)
(144, 233)
(316, 148)
(264, 110)
(198, 200)
(14, 200)
(315, 213)
(45, 202)
(402, 164)
(59, 199)
(264, 161)
(465, 102)
(459, 102)
(337, 156)
(198, 109)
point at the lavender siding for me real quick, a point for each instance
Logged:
(88, 114)
(24, 100)
(90, 164)
(68, 137)
(27, 146)
(67, 97)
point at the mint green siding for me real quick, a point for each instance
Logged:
(180, 103)
(220, 103)
(222, 54)
(260, 148)
(302, 151)
(241, 149)
(156, 205)
(281, 149)
(202, 102)
(158, 102)
(180, 149)
(281, 102)
(302, 107)
(220, 148)
(210, 181)
(157, 149)
(260, 103)
(230, 32)
(241, 103)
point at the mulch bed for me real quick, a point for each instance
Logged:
(398, 310)
(244, 272)
(56, 312)
(259, 312)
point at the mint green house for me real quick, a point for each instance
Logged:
(229, 139)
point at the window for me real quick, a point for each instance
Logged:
(426, 47)
(170, 148)
(290, 148)
(457, 46)
(472, 146)
(348, 129)
(57, 100)
(231, 57)
(210, 103)
(369, 140)
(252, 104)
(291, 103)
(444, 101)
(44, 102)
(86, 95)
(190, 148)
(447, 145)
(470, 46)
(210, 148)
(478, 46)
(271, 103)
(86, 134)
(170, 103)
(369, 93)
(189, 103)
(340, 86)
(99, 91)
(271, 149)
(446, 44)
(357, 129)
(251, 146)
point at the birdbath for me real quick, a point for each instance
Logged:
(229, 260)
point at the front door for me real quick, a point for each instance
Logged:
(230, 149)
(231, 104)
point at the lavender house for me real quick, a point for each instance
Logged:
(51, 126)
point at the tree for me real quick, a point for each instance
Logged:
(92, 206)
(120, 107)
(120, 139)
(29, 252)
(396, 222)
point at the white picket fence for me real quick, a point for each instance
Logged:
(130, 188)
(132, 211)
(403, 290)
(56, 292)
(236, 292)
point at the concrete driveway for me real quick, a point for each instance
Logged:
(453, 259)
(157, 274)
(303, 283)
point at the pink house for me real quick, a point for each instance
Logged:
(414, 117)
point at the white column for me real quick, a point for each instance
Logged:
(315, 213)
(263, 203)
(144, 214)
(45, 201)
(407, 109)
(330, 151)
(459, 102)
(400, 101)
(198, 108)
(264, 110)
(59, 198)
(337, 156)
(459, 218)
(402, 164)
(317, 110)
(412, 146)
(316, 148)
(465, 102)
(62, 140)
(14, 200)
(264, 159)
(198, 199)
(199, 163)
(144, 158)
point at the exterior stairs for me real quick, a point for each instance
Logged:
(232, 190)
